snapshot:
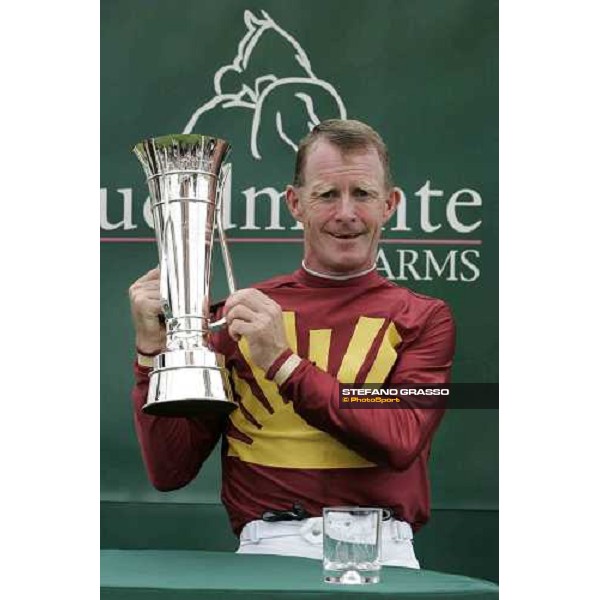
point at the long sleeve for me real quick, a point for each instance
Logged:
(173, 448)
(393, 437)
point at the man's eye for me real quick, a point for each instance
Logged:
(328, 194)
(362, 193)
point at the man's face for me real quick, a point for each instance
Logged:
(343, 204)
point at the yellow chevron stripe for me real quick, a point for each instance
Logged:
(364, 335)
(238, 419)
(289, 322)
(269, 388)
(318, 347)
(250, 401)
(386, 356)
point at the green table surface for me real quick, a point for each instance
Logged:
(181, 574)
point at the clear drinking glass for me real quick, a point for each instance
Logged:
(352, 544)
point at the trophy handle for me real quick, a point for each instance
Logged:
(223, 177)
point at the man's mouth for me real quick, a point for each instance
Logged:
(345, 236)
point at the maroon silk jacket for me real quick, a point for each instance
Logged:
(294, 443)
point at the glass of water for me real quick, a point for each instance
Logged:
(352, 544)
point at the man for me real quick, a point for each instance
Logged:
(289, 449)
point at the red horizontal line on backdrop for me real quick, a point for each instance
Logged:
(234, 240)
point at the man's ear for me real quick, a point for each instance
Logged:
(292, 199)
(391, 203)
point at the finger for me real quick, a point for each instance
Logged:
(150, 275)
(147, 288)
(241, 312)
(234, 299)
(154, 299)
(253, 299)
(239, 328)
(148, 309)
(153, 304)
(141, 297)
(140, 294)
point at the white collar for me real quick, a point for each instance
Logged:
(337, 277)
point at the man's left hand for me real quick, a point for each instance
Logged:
(255, 316)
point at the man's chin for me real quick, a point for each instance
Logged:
(348, 266)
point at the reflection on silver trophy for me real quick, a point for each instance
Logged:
(186, 175)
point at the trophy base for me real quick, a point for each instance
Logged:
(188, 383)
(190, 407)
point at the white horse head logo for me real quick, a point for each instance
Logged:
(244, 84)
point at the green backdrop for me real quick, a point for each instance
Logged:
(424, 74)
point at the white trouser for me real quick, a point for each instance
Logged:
(305, 538)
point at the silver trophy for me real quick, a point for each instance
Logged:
(186, 175)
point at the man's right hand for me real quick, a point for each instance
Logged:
(144, 296)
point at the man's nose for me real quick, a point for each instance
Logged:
(346, 208)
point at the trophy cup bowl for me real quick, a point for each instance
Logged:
(185, 176)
